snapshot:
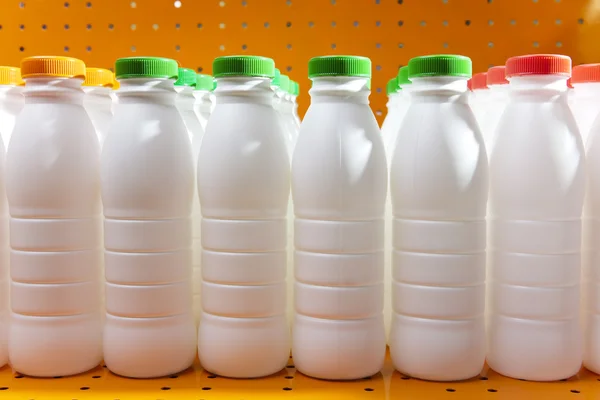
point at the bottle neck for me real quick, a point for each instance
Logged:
(235, 90)
(203, 100)
(147, 91)
(439, 89)
(53, 90)
(537, 87)
(10, 94)
(98, 97)
(340, 89)
(185, 98)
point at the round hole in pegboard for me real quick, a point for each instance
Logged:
(483, 378)
(266, 25)
(88, 4)
(111, 27)
(575, 391)
(206, 388)
(558, 21)
(311, 24)
(378, 45)
(333, 24)
(333, 46)
(445, 45)
(288, 68)
(445, 1)
(288, 377)
(3, 388)
(580, 21)
(513, 22)
(165, 388)
(222, 47)
(84, 388)
(379, 113)
(490, 22)
(400, 23)
(133, 4)
(133, 49)
(0, 27)
(44, 27)
(221, 4)
(222, 25)
(199, 69)
(536, 22)
(492, 390)
(66, 5)
(244, 3)
(378, 90)
(155, 27)
(22, 4)
(199, 25)
(21, 49)
(66, 49)
(289, 46)
(177, 25)
(88, 27)
(536, 44)
(378, 67)
(288, 24)
(400, 45)
(450, 390)
(468, 22)
(177, 4)
(400, 2)
(22, 27)
(244, 25)
(133, 27)
(369, 390)
(177, 47)
(244, 47)
(355, 24)
(559, 44)
(490, 44)
(67, 26)
(333, 2)
(377, 23)
(423, 23)
(88, 48)
(96, 377)
(288, 3)
(287, 389)
(445, 23)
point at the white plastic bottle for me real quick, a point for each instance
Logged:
(185, 101)
(390, 121)
(243, 183)
(279, 85)
(204, 97)
(4, 266)
(294, 93)
(53, 189)
(537, 185)
(480, 96)
(147, 192)
(402, 101)
(439, 185)
(98, 101)
(585, 102)
(498, 98)
(11, 100)
(287, 110)
(339, 187)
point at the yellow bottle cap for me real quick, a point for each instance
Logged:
(116, 85)
(98, 77)
(51, 66)
(10, 76)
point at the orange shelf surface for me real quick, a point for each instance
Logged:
(390, 32)
(197, 384)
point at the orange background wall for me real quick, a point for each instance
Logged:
(390, 32)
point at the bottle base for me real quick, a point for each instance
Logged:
(438, 350)
(243, 347)
(55, 346)
(149, 347)
(338, 349)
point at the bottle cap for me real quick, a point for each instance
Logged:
(186, 77)
(116, 85)
(470, 85)
(146, 67)
(10, 76)
(52, 66)
(276, 80)
(296, 89)
(392, 86)
(570, 84)
(479, 81)
(497, 76)
(99, 77)
(538, 64)
(439, 65)
(284, 83)
(243, 66)
(586, 73)
(339, 66)
(403, 76)
(204, 82)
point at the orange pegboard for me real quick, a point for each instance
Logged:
(291, 31)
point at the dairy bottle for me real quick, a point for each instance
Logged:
(147, 192)
(185, 101)
(339, 188)
(498, 97)
(537, 185)
(287, 110)
(480, 96)
(243, 184)
(97, 100)
(4, 266)
(53, 189)
(585, 102)
(438, 182)
(203, 94)
(279, 84)
(294, 93)
(390, 122)
(11, 100)
(402, 102)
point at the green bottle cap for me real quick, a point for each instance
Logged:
(403, 76)
(294, 88)
(276, 81)
(440, 65)
(204, 82)
(243, 66)
(392, 86)
(339, 66)
(284, 83)
(146, 67)
(187, 77)
(214, 84)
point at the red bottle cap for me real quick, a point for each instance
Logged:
(586, 73)
(470, 85)
(479, 81)
(497, 76)
(538, 64)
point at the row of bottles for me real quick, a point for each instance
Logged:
(192, 210)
